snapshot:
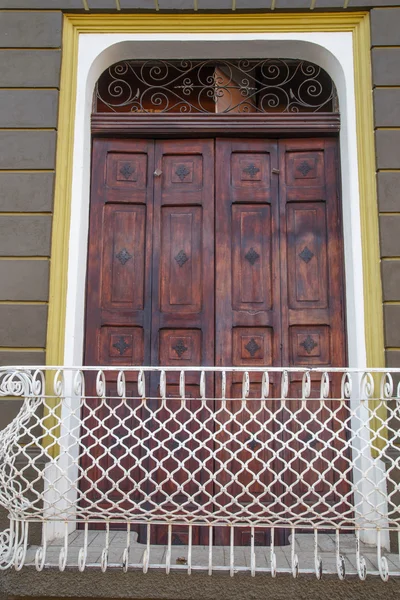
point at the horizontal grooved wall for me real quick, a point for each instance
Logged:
(385, 39)
(30, 60)
(30, 57)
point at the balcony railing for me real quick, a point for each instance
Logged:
(207, 468)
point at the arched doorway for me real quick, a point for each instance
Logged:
(210, 246)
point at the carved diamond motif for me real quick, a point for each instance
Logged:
(126, 170)
(251, 170)
(182, 172)
(252, 443)
(304, 168)
(306, 254)
(252, 347)
(179, 348)
(121, 345)
(252, 256)
(309, 344)
(123, 256)
(181, 258)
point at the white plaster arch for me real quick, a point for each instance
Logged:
(332, 51)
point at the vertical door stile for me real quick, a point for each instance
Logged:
(313, 323)
(118, 308)
(183, 314)
(248, 304)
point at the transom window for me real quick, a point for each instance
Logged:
(209, 86)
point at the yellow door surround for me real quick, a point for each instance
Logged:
(355, 22)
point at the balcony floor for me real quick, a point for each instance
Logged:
(220, 554)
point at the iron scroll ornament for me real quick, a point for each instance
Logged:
(209, 86)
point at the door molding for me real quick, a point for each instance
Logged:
(175, 125)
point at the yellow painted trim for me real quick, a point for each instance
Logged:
(62, 196)
(61, 217)
(355, 22)
(220, 23)
(374, 336)
(374, 327)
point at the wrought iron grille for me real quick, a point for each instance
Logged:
(304, 449)
(209, 86)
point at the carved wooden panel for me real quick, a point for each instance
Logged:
(121, 346)
(181, 175)
(183, 254)
(307, 255)
(252, 346)
(251, 172)
(119, 250)
(251, 257)
(305, 169)
(127, 171)
(247, 257)
(312, 282)
(123, 256)
(180, 347)
(310, 345)
(181, 260)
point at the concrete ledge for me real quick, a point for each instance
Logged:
(28, 583)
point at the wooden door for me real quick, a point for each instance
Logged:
(118, 313)
(182, 329)
(313, 318)
(279, 302)
(248, 315)
(150, 301)
(275, 298)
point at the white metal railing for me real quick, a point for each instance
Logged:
(153, 450)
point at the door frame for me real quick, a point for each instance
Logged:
(158, 126)
(301, 129)
(338, 42)
(96, 52)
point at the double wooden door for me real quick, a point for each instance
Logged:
(223, 252)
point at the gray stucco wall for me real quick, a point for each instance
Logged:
(30, 53)
(385, 39)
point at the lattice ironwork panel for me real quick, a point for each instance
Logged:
(275, 448)
(209, 86)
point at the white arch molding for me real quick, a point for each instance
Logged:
(333, 51)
